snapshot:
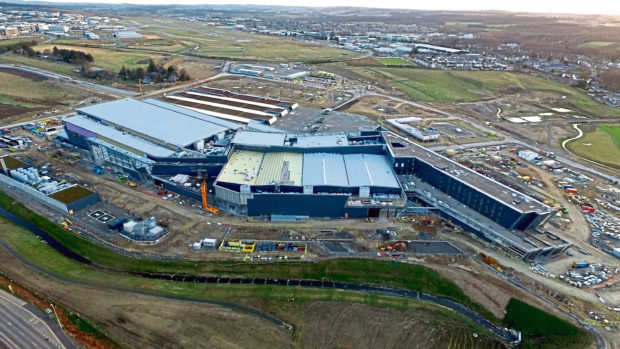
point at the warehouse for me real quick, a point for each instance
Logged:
(230, 106)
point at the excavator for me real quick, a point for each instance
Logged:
(491, 261)
(427, 220)
(397, 246)
(205, 203)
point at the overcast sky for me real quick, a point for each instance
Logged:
(557, 6)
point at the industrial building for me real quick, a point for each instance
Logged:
(59, 195)
(267, 172)
(424, 134)
(133, 136)
(426, 48)
(488, 208)
(232, 106)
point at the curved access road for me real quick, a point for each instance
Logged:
(566, 141)
(576, 127)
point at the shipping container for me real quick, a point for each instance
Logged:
(117, 224)
(578, 265)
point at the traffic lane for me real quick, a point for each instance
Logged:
(18, 332)
(31, 322)
(52, 324)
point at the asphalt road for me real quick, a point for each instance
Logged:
(21, 328)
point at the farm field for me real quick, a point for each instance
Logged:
(601, 144)
(155, 44)
(22, 93)
(468, 86)
(62, 68)
(11, 42)
(110, 59)
(222, 43)
(393, 61)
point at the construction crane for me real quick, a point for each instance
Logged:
(205, 203)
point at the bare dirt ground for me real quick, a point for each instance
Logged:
(362, 326)
(380, 108)
(305, 96)
(198, 68)
(145, 321)
(141, 321)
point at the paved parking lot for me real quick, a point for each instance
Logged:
(308, 120)
(432, 247)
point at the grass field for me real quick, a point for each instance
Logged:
(217, 42)
(109, 59)
(393, 61)
(57, 67)
(11, 42)
(409, 276)
(543, 330)
(595, 44)
(345, 270)
(42, 254)
(19, 95)
(601, 145)
(468, 86)
(164, 46)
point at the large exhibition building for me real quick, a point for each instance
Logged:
(255, 169)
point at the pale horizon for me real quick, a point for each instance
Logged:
(532, 6)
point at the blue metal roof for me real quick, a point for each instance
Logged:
(309, 141)
(115, 135)
(324, 169)
(369, 170)
(261, 139)
(159, 120)
(351, 170)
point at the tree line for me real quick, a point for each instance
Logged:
(21, 48)
(154, 73)
(72, 56)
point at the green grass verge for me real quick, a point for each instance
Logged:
(394, 61)
(42, 254)
(602, 145)
(84, 325)
(519, 314)
(543, 330)
(468, 86)
(403, 275)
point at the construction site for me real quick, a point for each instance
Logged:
(234, 187)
